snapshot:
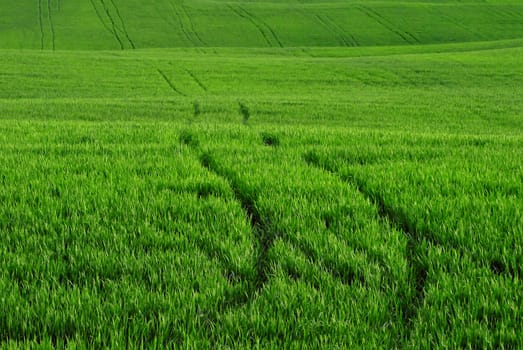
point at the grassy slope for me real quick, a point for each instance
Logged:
(117, 24)
(391, 121)
(466, 92)
(371, 199)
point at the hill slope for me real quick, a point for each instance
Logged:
(261, 175)
(118, 24)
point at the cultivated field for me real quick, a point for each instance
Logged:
(249, 174)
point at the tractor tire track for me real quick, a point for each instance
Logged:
(260, 227)
(341, 38)
(505, 14)
(407, 37)
(384, 20)
(171, 85)
(109, 30)
(124, 28)
(342, 32)
(263, 23)
(320, 20)
(460, 25)
(113, 25)
(51, 24)
(265, 236)
(237, 12)
(178, 15)
(266, 32)
(411, 302)
(41, 22)
(191, 26)
(197, 81)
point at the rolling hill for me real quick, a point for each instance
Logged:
(134, 24)
(261, 175)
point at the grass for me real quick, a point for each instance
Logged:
(127, 25)
(314, 174)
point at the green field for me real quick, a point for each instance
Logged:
(251, 174)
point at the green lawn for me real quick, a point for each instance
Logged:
(294, 174)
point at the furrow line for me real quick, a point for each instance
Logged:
(393, 26)
(124, 29)
(504, 14)
(413, 37)
(113, 24)
(195, 78)
(191, 26)
(332, 30)
(178, 15)
(250, 19)
(41, 22)
(100, 18)
(51, 24)
(264, 24)
(382, 21)
(259, 225)
(171, 85)
(342, 32)
(411, 302)
(164, 16)
(246, 286)
(460, 25)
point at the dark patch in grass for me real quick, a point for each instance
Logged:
(244, 112)
(55, 192)
(477, 142)
(500, 268)
(86, 139)
(270, 140)
(312, 158)
(328, 220)
(497, 267)
(344, 273)
(188, 138)
(196, 109)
